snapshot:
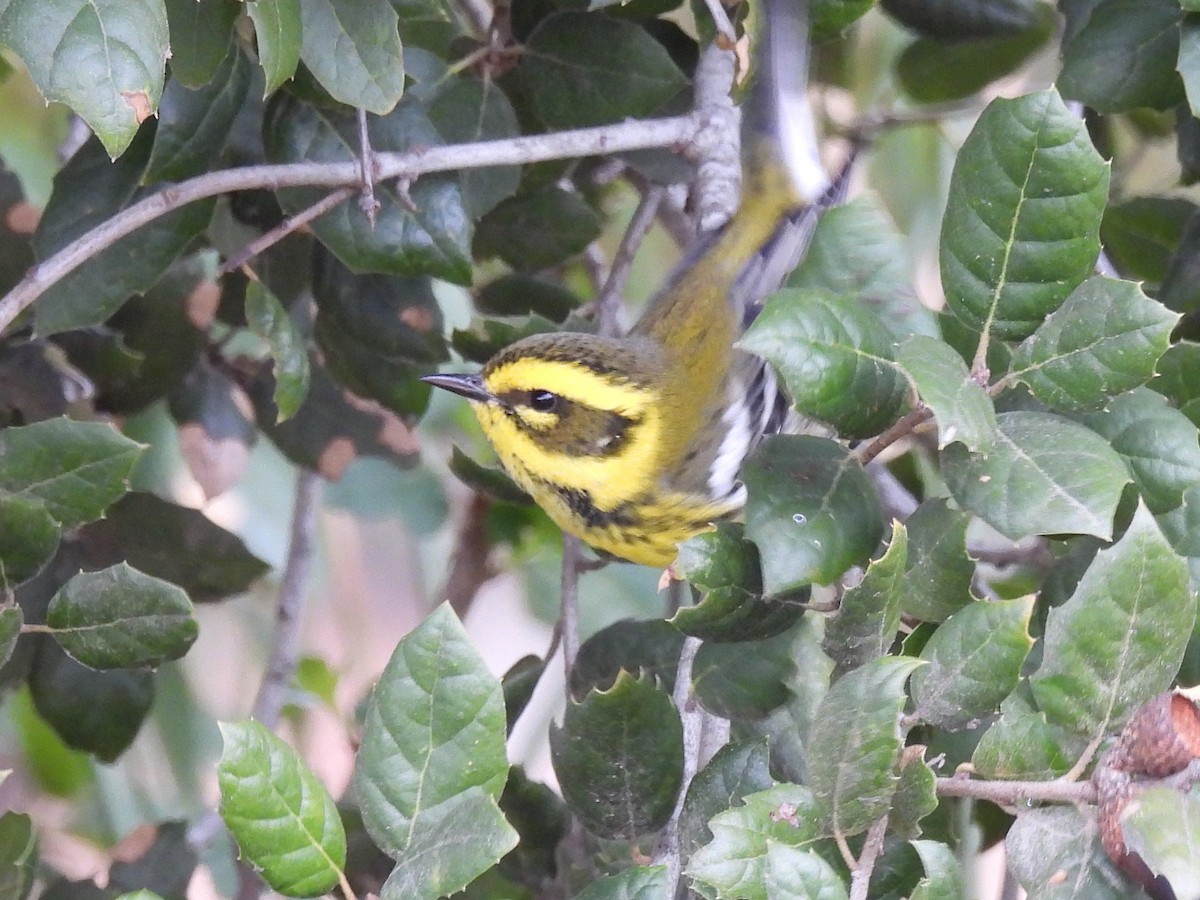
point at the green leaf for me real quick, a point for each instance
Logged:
(1158, 442)
(1124, 56)
(97, 712)
(11, 620)
(619, 758)
(30, 539)
(367, 70)
(743, 681)
(270, 321)
(811, 510)
(542, 821)
(636, 883)
(735, 770)
(939, 377)
(869, 615)
(88, 191)
(426, 231)
(758, 845)
(1179, 379)
(831, 17)
(855, 744)
(120, 618)
(1141, 234)
(538, 229)
(200, 39)
(975, 659)
(834, 356)
(915, 797)
(18, 855)
(962, 20)
(584, 69)
(432, 763)
(277, 34)
(1056, 854)
(103, 58)
(943, 874)
(1021, 744)
(283, 819)
(1022, 221)
(636, 646)
(937, 578)
(1162, 826)
(494, 482)
(194, 124)
(1044, 475)
(165, 867)
(1120, 639)
(521, 295)
(1105, 339)
(75, 468)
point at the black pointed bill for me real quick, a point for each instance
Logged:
(469, 386)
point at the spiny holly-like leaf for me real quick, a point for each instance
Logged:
(120, 618)
(636, 883)
(269, 320)
(103, 58)
(1044, 475)
(736, 770)
(30, 539)
(811, 510)
(1162, 826)
(1120, 639)
(432, 763)
(855, 743)
(943, 873)
(282, 817)
(75, 468)
(769, 838)
(200, 39)
(869, 614)
(367, 70)
(975, 659)
(940, 378)
(1055, 852)
(937, 579)
(1023, 218)
(915, 797)
(1105, 339)
(1022, 744)
(18, 855)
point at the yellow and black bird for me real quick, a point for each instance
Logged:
(634, 443)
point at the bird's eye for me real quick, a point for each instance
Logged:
(543, 401)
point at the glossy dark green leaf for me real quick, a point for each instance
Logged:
(164, 869)
(868, 616)
(435, 707)
(486, 337)
(940, 378)
(97, 712)
(216, 427)
(120, 618)
(519, 295)
(277, 36)
(855, 744)
(1120, 639)
(763, 845)
(636, 646)
(494, 482)
(585, 69)
(1044, 475)
(1179, 379)
(975, 659)
(743, 680)
(200, 34)
(542, 821)
(11, 621)
(103, 58)
(1056, 852)
(174, 543)
(636, 883)
(30, 538)
(725, 566)
(1021, 744)
(943, 873)
(1124, 56)
(18, 855)
(289, 353)
(1105, 339)
(194, 123)
(282, 817)
(619, 757)
(956, 20)
(367, 70)
(1142, 233)
(1022, 222)
(1179, 289)
(915, 797)
(835, 357)
(1163, 828)
(76, 469)
(1157, 441)
(424, 232)
(518, 685)
(538, 229)
(937, 580)
(811, 510)
(735, 770)
(88, 191)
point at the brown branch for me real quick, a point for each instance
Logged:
(569, 617)
(289, 225)
(608, 303)
(472, 567)
(860, 879)
(904, 427)
(624, 136)
(1015, 793)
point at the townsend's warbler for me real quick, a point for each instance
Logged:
(634, 443)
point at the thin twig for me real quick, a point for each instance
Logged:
(717, 140)
(366, 164)
(608, 303)
(860, 879)
(904, 427)
(1015, 793)
(638, 135)
(285, 645)
(721, 21)
(569, 618)
(289, 225)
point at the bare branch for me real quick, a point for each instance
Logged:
(569, 618)
(289, 225)
(860, 879)
(366, 164)
(618, 138)
(1014, 793)
(903, 428)
(607, 304)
